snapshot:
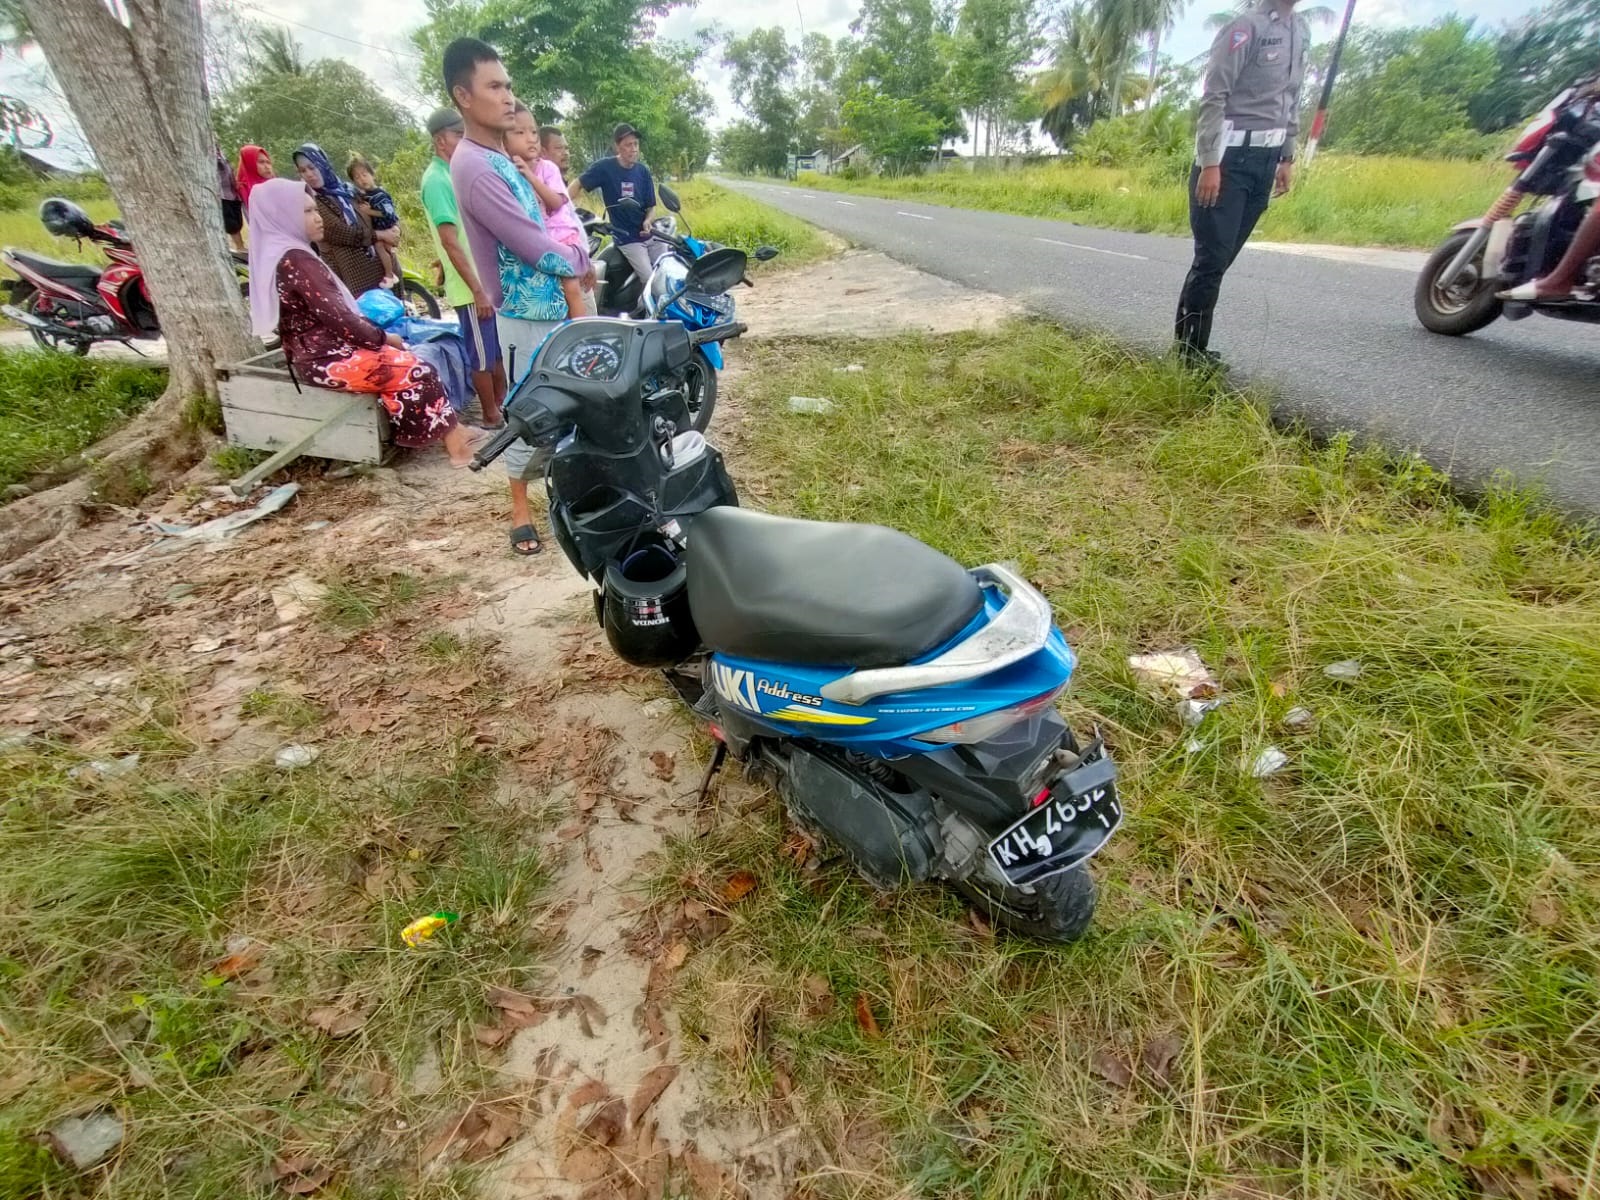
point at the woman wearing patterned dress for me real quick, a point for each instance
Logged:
(327, 341)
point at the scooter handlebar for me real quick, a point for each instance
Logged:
(718, 333)
(495, 447)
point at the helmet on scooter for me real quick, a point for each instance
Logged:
(64, 218)
(645, 608)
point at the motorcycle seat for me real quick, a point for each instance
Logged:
(76, 274)
(823, 594)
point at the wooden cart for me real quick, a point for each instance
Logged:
(264, 408)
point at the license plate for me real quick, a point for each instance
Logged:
(1079, 816)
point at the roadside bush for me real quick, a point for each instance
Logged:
(1159, 140)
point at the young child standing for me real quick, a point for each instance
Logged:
(378, 206)
(522, 148)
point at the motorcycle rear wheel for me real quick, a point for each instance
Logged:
(1466, 306)
(1059, 910)
(25, 300)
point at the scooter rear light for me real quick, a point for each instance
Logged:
(986, 725)
(716, 732)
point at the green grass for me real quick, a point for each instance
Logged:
(54, 405)
(1379, 971)
(718, 215)
(170, 936)
(20, 227)
(1345, 201)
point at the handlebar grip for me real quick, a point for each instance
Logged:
(497, 445)
(718, 333)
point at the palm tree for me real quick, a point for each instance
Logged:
(1317, 14)
(1163, 15)
(278, 53)
(1084, 81)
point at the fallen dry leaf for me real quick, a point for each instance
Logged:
(589, 960)
(864, 1017)
(655, 1081)
(1279, 689)
(235, 965)
(1158, 1055)
(490, 1036)
(606, 1126)
(586, 1163)
(650, 1164)
(1110, 1068)
(675, 955)
(706, 1179)
(514, 1003)
(663, 764)
(300, 1175)
(740, 884)
(334, 1023)
(797, 847)
(818, 994)
(655, 1026)
(588, 1093)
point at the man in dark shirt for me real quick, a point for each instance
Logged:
(620, 178)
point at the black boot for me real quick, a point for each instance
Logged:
(1192, 337)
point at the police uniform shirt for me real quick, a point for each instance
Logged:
(1253, 80)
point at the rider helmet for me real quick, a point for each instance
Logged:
(64, 218)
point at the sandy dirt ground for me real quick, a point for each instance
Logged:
(227, 616)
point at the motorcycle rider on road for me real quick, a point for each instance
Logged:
(1244, 151)
(1585, 242)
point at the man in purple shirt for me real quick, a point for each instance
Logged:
(495, 221)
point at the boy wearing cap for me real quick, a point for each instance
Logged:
(462, 291)
(624, 177)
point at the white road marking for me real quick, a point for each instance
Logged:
(846, 203)
(1092, 249)
(914, 216)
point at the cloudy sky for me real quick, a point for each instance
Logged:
(370, 33)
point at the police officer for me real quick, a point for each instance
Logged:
(1244, 153)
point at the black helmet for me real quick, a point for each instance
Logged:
(645, 609)
(64, 218)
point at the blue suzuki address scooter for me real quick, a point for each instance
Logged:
(671, 294)
(904, 706)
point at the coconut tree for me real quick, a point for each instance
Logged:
(1088, 64)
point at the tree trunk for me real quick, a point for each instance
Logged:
(1155, 65)
(138, 92)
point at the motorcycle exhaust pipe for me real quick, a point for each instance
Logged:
(13, 313)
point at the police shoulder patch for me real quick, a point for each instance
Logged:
(1240, 39)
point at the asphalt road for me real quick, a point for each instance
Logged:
(1335, 340)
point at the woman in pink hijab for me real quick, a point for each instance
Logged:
(326, 339)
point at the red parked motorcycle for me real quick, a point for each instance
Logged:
(1558, 156)
(70, 306)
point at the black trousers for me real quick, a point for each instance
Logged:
(1220, 232)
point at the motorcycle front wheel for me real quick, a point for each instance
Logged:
(419, 301)
(1059, 909)
(1467, 305)
(701, 386)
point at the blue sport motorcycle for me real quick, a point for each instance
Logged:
(691, 282)
(903, 705)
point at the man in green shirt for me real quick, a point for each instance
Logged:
(462, 291)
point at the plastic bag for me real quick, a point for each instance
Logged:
(383, 308)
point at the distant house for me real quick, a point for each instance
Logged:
(855, 158)
(817, 160)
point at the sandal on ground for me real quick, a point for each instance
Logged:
(522, 535)
(1528, 293)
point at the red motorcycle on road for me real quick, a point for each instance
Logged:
(70, 306)
(1558, 158)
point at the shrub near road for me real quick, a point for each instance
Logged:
(1375, 973)
(1345, 201)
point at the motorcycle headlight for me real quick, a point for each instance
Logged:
(667, 282)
